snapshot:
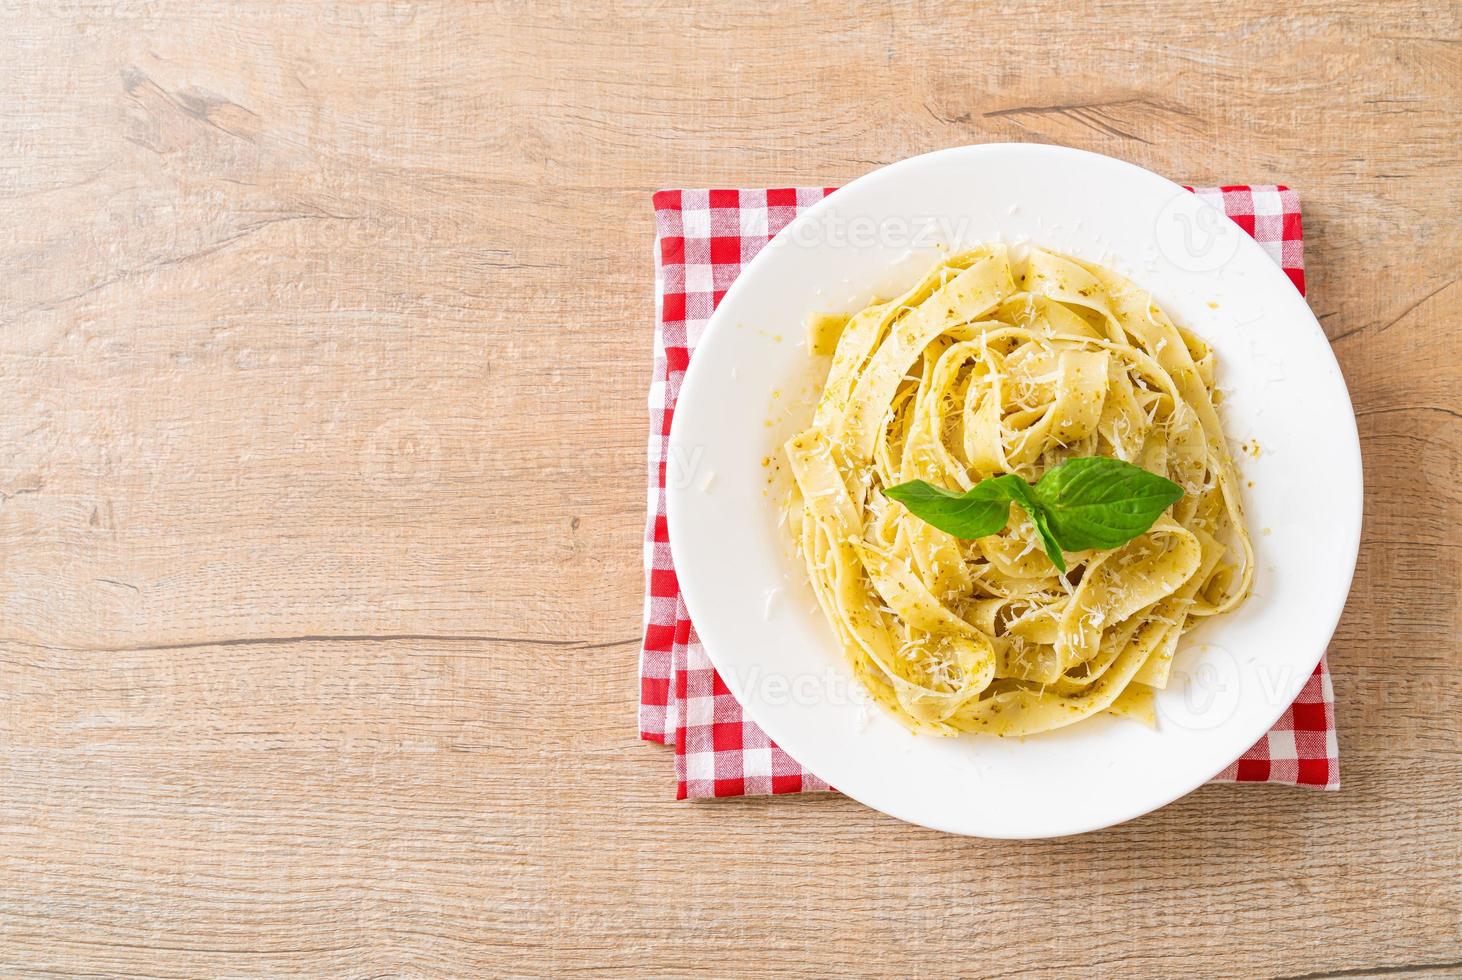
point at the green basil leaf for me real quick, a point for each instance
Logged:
(973, 514)
(1080, 505)
(983, 510)
(1031, 504)
(1096, 502)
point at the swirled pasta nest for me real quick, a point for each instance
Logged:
(988, 366)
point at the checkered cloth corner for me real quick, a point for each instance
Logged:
(703, 239)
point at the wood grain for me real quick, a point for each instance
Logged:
(302, 672)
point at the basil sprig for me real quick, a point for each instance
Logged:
(1084, 503)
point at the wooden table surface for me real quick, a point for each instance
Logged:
(326, 337)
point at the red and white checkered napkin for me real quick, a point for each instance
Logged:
(703, 239)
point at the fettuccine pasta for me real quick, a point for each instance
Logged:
(985, 367)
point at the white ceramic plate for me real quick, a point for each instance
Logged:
(750, 386)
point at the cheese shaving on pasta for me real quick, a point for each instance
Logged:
(987, 366)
